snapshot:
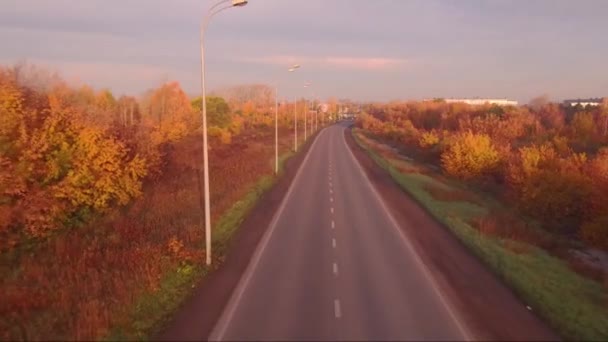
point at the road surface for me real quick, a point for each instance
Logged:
(333, 265)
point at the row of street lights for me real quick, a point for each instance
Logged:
(295, 121)
(213, 10)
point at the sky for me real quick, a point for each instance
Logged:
(366, 50)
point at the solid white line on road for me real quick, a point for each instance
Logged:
(335, 268)
(332, 210)
(333, 243)
(333, 224)
(337, 310)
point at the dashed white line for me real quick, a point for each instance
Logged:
(335, 269)
(332, 210)
(331, 191)
(333, 224)
(331, 199)
(337, 310)
(333, 243)
(330, 185)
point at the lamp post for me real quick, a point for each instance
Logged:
(295, 123)
(276, 122)
(306, 115)
(295, 114)
(213, 10)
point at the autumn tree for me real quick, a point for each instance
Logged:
(169, 111)
(218, 111)
(57, 165)
(470, 156)
(550, 187)
(604, 115)
(127, 111)
(539, 102)
(583, 129)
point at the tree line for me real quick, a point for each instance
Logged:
(69, 153)
(550, 160)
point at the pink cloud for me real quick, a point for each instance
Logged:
(343, 62)
(377, 63)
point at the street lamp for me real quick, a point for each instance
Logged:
(306, 115)
(276, 123)
(213, 10)
(295, 114)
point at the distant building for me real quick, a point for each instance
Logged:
(479, 102)
(584, 102)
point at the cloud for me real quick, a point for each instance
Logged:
(341, 62)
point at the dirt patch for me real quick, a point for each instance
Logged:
(490, 309)
(199, 314)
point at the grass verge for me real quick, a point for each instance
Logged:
(153, 309)
(577, 307)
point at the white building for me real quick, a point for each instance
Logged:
(584, 102)
(479, 102)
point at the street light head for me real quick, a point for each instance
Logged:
(239, 3)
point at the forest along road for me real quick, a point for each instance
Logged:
(334, 265)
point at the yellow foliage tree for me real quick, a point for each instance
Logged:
(428, 139)
(470, 156)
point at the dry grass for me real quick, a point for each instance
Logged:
(452, 195)
(508, 226)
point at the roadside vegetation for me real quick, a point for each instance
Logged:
(524, 188)
(100, 202)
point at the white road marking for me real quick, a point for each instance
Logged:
(219, 330)
(333, 224)
(330, 185)
(331, 199)
(333, 243)
(331, 191)
(332, 210)
(337, 310)
(335, 268)
(460, 325)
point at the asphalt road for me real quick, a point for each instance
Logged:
(334, 265)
